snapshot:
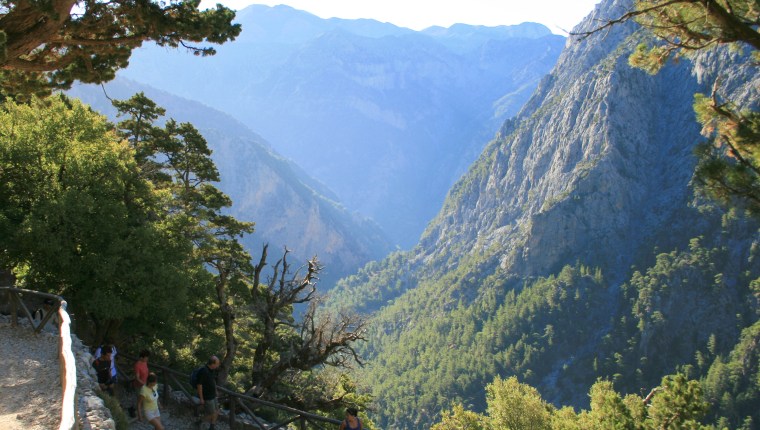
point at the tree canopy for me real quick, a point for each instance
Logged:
(126, 222)
(48, 44)
(77, 219)
(676, 404)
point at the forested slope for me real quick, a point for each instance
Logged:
(574, 248)
(289, 207)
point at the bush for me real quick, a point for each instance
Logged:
(118, 414)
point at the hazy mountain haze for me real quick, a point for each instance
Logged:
(559, 15)
(387, 117)
(290, 209)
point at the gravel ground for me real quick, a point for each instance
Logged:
(30, 381)
(30, 385)
(173, 417)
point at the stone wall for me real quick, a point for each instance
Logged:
(93, 413)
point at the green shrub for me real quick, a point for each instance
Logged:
(118, 414)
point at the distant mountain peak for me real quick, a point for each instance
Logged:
(530, 30)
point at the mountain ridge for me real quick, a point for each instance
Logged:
(387, 117)
(577, 215)
(290, 208)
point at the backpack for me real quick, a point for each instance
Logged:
(194, 377)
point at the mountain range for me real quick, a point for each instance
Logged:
(573, 243)
(574, 248)
(386, 117)
(290, 209)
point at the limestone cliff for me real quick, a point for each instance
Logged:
(595, 168)
(595, 171)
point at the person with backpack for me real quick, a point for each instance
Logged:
(204, 381)
(102, 365)
(110, 347)
(352, 421)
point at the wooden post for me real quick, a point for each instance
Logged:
(14, 308)
(165, 377)
(233, 401)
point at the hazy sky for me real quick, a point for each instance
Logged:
(558, 15)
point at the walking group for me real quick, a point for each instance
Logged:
(145, 385)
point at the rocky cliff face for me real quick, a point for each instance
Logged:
(594, 171)
(596, 166)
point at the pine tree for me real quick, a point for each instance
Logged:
(49, 44)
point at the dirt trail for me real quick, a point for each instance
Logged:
(30, 381)
(30, 385)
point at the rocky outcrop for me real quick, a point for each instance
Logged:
(594, 167)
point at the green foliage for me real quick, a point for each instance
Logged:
(651, 60)
(707, 283)
(461, 419)
(382, 282)
(729, 162)
(177, 159)
(516, 406)
(127, 225)
(49, 45)
(608, 410)
(676, 404)
(687, 27)
(732, 385)
(117, 413)
(466, 332)
(436, 345)
(77, 217)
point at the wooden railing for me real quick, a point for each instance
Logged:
(49, 305)
(181, 381)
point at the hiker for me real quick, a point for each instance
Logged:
(352, 421)
(102, 365)
(111, 347)
(45, 308)
(141, 376)
(206, 387)
(147, 403)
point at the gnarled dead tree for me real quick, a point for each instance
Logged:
(286, 344)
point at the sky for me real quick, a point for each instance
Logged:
(559, 15)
